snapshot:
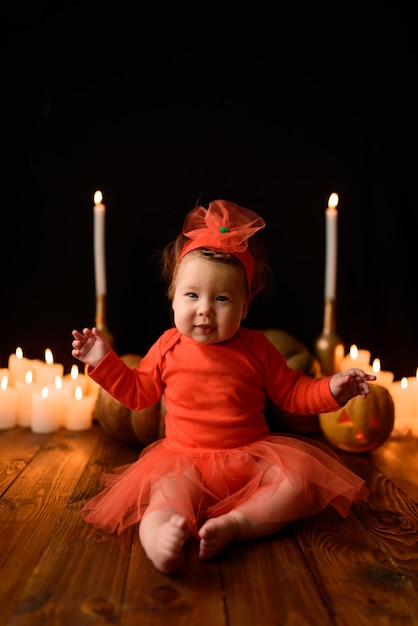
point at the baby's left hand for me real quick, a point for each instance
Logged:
(353, 382)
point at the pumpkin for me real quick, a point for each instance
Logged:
(297, 357)
(296, 353)
(138, 428)
(362, 424)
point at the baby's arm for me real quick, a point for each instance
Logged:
(353, 382)
(90, 346)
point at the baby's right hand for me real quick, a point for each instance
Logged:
(90, 346)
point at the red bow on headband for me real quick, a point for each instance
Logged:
(224, 226)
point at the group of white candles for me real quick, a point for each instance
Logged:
(36, 394)
(404, 392)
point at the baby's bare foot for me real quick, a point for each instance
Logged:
(169, 544)
(217, 532)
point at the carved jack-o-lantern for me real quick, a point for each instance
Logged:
(362, 424)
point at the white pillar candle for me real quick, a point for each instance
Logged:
(404, 401)
(43, 413)
(92, 388)
(8, 404)
(25, 391)
(18, 366)
(79, 411)
(58, 395)
(383, 378)
(36, 365)
(74, 378)
(413, 384)
(331, 215)
(99, 244)
(356, 358)
(48, 371)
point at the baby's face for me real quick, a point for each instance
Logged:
(210, 299)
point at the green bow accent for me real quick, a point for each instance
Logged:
(224, 229)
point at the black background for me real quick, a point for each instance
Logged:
(273, 112)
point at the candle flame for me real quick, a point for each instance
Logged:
(74, 371)
(4, 383)
(376, 366)
(404, 383)
(98, 197)
(354, 351)
(44, 392)
(78, 393)
(48, 356)
(29, 377)
(58, 382)
(19, 353)
(333, 201)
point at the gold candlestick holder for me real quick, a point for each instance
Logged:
(101, 318)
(329, 348)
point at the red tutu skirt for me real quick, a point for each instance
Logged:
(203, 484)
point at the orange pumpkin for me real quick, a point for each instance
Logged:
(361, 425)
(138, 428)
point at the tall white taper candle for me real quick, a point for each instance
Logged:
(331, 248)
(99, 244)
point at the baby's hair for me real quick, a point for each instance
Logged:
(171, 253)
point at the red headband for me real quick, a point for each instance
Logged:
(224, 227)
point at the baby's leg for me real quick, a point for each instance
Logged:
(163, 534)
(162, 531)
(244, 522)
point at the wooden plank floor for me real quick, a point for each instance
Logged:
(320, 571)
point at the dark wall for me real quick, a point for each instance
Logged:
(276, 129)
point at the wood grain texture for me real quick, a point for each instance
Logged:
(319, 571)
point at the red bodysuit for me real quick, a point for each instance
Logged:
(217, 446)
